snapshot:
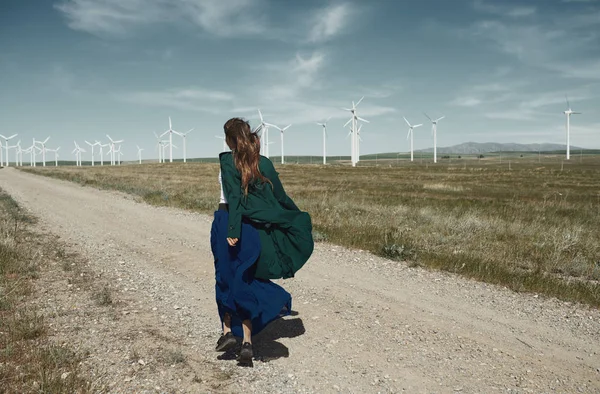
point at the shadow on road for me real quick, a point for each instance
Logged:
(265, 345)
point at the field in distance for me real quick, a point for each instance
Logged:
(526, 221)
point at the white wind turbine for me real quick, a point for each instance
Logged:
(354, 131)
(33, 159)
(18, 154)
(92, 146)
(6, 139)
(119, 154)
(224, 142)
(30, 151)
(170, 132)
(166, 144)
(282, 130)
(55, 151)
(264, 136)
(324, 125)
(568, 112)
(159, 146)
(139, 153)
(102, 146)
(434, 132)
(411, 135)
(77, 152)
(43, 150)
(1, 154)
(112, 149)
(184, 135)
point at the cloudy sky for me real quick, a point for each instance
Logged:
(498, 70)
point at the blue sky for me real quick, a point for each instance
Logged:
(498, 71)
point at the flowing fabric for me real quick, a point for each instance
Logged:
(238, 291)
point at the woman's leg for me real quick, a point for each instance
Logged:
(247, 327)
(226, 323)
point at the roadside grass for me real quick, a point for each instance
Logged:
(29, 363)
(532, 226)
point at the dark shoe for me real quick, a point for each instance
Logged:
(226, 342)
(246, 353)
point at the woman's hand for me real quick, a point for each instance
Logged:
(232, 241)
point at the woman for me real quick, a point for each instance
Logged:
(258, 234)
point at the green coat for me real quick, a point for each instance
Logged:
(285, 231)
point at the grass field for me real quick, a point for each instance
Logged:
(529, 223)
(29, 362)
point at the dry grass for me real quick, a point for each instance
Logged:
(28, 362)
(532, 228)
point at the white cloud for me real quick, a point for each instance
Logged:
(468, 101)
(194, 99)
(118, 17)
(329, 22)
(504, 10)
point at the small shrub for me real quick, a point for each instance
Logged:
(319, 236)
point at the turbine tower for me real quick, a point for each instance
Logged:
(324, 125)
(170, 132)
(139, 153)
(102, 146)
(184, 135)
(77, 152)
(354, 131)
(92, 146)
(224, 142)
(568, 112)
(112, 149)
(434, 132)
(264, 136)
(282, 130)
(411, 135)
(43, 150)
(6, 144)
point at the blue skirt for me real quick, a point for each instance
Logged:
(238, 292)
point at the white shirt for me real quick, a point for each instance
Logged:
(223, 200)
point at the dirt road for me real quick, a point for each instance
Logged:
(364, 324)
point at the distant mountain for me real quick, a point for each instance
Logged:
(486, 147)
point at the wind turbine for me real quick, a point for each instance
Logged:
(264, 137)
(282, 130)
(44, 149)
(55, 151)
(170, 132)
(411, 135)
(6, 144)
(102, 146)
(119, 154)
(568, 112)
(77, 152)
(159, 147)
(92, 146)
(183, 135)
(434, 132)
(324, 125)
(354, 142)
(18, 154)
(139, 153)
(164, 144)
(112, 149)
(224, 142)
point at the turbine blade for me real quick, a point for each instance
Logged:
(417, 125)
(406, 122)
(361, 99)
(362, 120)
(346, 124)
(428, 116)
(438, 119)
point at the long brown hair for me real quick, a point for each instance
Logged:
(245, 145)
